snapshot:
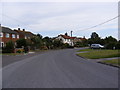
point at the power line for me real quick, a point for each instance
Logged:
(20, 22)
(80, 30)
(101, 23)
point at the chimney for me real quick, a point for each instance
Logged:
(71, 33)
(19, 29)
(23, 29)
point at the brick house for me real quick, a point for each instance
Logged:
(6, 35)
(24, 34)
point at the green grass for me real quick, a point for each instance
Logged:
(82, 50)
(113, 62)
(96, 54)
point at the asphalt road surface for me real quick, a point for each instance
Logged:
(59, 69)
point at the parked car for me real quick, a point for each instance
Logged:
(96, 46)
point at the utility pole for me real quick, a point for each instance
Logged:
(71, 39)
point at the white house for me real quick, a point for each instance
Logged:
(66, 39)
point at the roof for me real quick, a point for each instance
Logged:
(67, 37)
(26, 33)
(8, 30)
(81, 38)
(29, 34)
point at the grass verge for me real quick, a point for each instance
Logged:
(115, 62)
(97, 54)
(82, 50)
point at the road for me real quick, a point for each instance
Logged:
(59, 69)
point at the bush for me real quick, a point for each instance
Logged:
(26, 49)
(71, 47)
(117, 46)
(110, 45)
(9, 47)
(19, 50)
(21, 42)
(66, 45)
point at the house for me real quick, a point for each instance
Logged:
(66, 39)
(24, 34)
(79, 39)
(70, 40)
(7, 35)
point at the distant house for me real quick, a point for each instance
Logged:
(79, 39)
(24, 34)
(70, 40)
(66, 39)
(6, 35)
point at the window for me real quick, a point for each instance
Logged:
(7, 35)
(1, 34)
(2, 44)
(13, 35)
(25, 37)
(17, 36)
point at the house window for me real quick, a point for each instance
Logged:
(13, 35)
(2, 44)
(7, 35)
(28, 37)
(17, 36)
(25, 37)
(1, 34)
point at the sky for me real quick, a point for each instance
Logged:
(54, 18)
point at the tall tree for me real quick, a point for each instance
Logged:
(94, 35)
(110, 39)
(47, 42)
(94, 39)
(39, 35)
(37, 41)
(66, 34)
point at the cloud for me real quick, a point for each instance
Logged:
(60, 17)
(60, 0)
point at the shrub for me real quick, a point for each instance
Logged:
(117, 46)
(21, 42)
(19, 50)
(9, 47)
(110, 45)
(26, 49)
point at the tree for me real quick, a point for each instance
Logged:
(47, 42)
(58, 44)
(37, 41)
(39, 35)
(21, 43)
(94, 35)
(117, 46)
(94, 39)
(66, 34)
(9, 47)
(110, 39)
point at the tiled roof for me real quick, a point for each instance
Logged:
(8, 30)
(67, 37)
(26, 33)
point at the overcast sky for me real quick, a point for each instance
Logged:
(53, 18)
